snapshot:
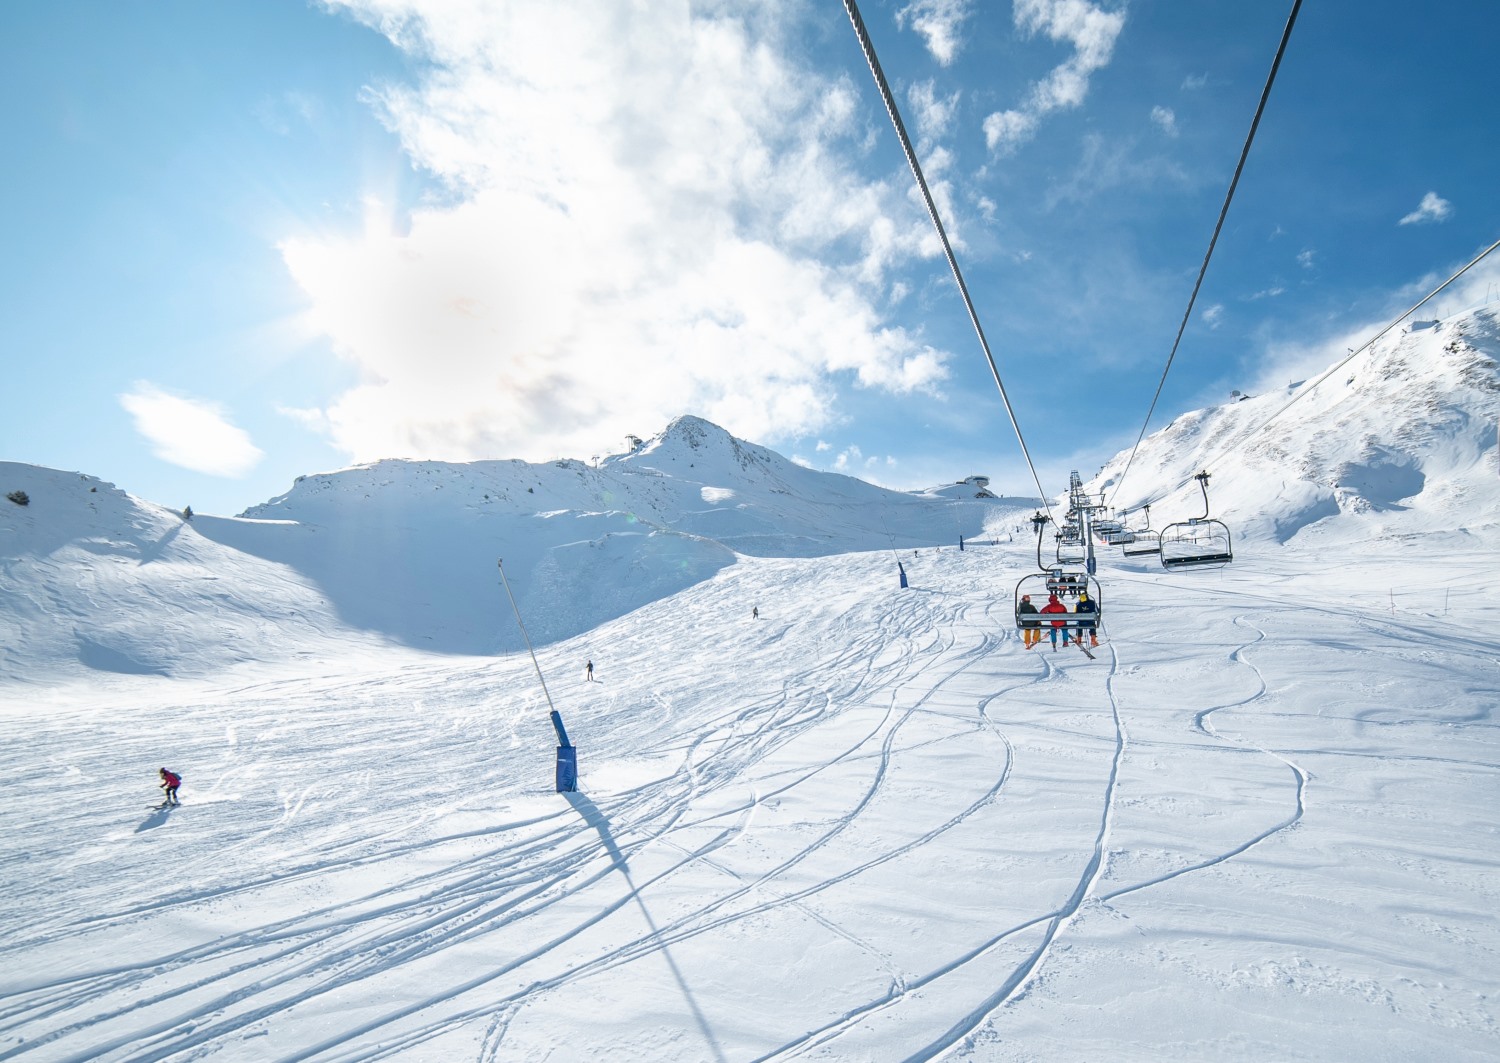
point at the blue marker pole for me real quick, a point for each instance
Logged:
(567, 755)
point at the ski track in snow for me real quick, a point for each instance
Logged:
(698, 922)
(1202, 721)
(867, 682)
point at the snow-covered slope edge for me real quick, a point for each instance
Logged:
(1400, 443)
(97, 579)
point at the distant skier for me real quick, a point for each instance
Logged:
(1087, 605)
(1054, 606)
(187, 512)
(170, 781)
(1031, 630)
(588, 672)
(755, 612)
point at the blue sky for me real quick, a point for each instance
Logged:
(253, 240)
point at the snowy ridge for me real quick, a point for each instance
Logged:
(1401, 443)
(406, 552)
(99, 579)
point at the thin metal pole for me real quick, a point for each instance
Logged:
(501, 563)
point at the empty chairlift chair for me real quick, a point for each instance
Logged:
(1142, 540)
(1071, 549)
(1198, 542)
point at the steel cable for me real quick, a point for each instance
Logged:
(1286, 36)
(937, 223)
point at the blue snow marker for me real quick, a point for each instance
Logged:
(567, 769)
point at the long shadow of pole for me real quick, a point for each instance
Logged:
(594, 818)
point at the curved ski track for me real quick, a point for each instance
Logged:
(241, 981)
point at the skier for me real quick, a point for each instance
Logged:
(1054, 606)
(755, 613)
(588, 672)
(170, 781)
(1087, 605)
(1031, 632)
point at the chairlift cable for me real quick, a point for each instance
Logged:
(932, 212)
(1286, 35)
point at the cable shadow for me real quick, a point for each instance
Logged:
(596, 819)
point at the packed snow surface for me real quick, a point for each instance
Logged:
(867, 824)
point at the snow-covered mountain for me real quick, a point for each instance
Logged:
(1398, 443)
(1402, 443)
(407, 551)
(858, 822)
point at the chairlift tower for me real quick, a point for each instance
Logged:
(1082, 508)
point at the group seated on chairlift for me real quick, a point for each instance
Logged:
(1066, 583)
(1069, 588)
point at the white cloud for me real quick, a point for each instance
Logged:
(848, 458)
(1432, 208)
(1193, 82)
(1213, 317)
(1166, 118)
(1307, 259)
(938, 21)
(652, 216)
(1105, 164)
(190, 432)
(934, 116)
(1092, 33)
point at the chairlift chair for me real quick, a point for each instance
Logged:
(1069, 588)
(1071, 551)
(1068, 584)
(1142, 540)
(1198, 542)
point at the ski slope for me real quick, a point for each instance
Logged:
(868, 825)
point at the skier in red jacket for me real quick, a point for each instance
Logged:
(170, 781)
(1055, 606)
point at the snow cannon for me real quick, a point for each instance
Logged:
(567, 757)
